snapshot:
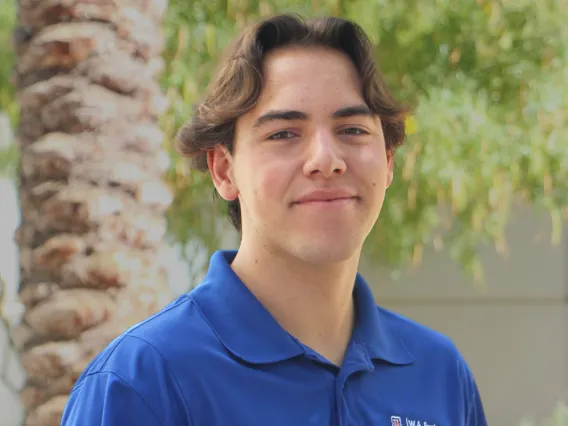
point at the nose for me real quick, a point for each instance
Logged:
(324, 156)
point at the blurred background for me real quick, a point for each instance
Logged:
(102, 223)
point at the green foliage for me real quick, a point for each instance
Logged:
(7, 19)
(488, 82)
(8, 105)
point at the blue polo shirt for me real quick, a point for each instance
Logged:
(216, 357)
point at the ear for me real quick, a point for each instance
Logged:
(390, 172)
(220, 163)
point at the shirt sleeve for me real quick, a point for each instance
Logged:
(475, 414)
(104, 399)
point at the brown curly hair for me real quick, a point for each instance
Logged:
(238, 83)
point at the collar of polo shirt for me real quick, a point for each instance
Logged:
(250, 333)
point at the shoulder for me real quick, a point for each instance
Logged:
(155, 342)
(423, 342)
(438, 360)
(432, 350)
(141, 363)
(149, 351)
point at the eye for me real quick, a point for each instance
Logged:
(354, 131)
(283, 134)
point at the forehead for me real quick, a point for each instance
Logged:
(308, 78)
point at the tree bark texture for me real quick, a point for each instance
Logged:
(91, 191)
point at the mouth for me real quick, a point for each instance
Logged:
(337, 201)
(327, 197)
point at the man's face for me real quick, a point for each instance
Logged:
(309, 167)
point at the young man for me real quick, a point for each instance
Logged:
(298, 132)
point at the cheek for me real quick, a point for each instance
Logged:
(264, 180)
(372, 166)
(273, 180)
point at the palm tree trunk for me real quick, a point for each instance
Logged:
(91, 194)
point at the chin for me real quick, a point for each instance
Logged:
(326, 250)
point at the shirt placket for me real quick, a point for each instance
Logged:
(357, 360)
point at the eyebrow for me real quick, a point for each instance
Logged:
(274, 115)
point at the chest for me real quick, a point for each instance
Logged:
(307, 395)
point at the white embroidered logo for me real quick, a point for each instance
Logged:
(397, 421)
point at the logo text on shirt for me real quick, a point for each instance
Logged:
(397, 421)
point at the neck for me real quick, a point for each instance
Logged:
(313, 303)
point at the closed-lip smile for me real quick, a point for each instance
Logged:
(325, 196)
